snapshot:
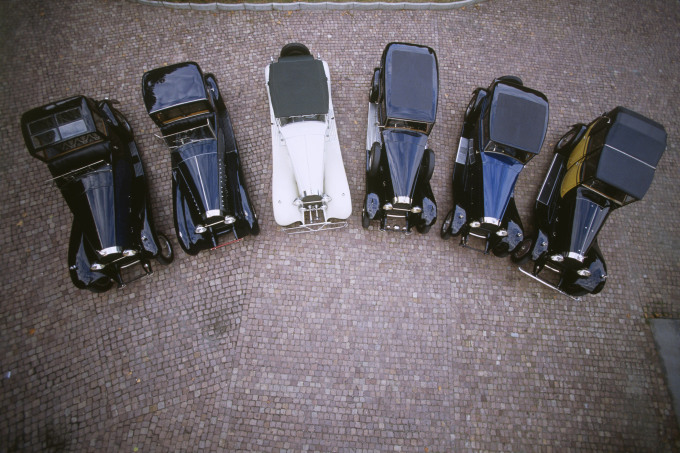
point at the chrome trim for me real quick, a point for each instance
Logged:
(502, 233)
(92, 166)
(576, 256)
(416, 210)
(177, 105)
(404, 200)
(96, 267)
(585, 272)
(200, 229)
(632, 157)
(557, 257)
(213, 213)
(129, 252)
(491, 220)
(228, 220)
(387, 206)
(549, 285)
(110, 251)
(475, 224)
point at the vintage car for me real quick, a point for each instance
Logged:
(402, 110)
(503, 129)
(309, 185)
(212, 207)
(89, 149)
(596, 169)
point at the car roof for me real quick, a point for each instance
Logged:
(298, 86)
(172, 85)
(411, 82)
(518, 117)
(632, 149)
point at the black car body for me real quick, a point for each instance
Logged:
(212, 207)
(399, 165)
(503, 128)
(90, 151)
(596, 169)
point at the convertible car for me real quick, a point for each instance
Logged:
(89, 149)
(309, 185)
(212, 207)
(503, 129)
(402, 110)
(596, 169)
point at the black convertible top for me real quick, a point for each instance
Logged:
(632, 149)
(518, 117)
(411, 82)
(172, 85)
(298, 86)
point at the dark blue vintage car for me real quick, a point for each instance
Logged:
(90, 150)
(596, 169)
(503, 129)
(401, 113)
(212, 207)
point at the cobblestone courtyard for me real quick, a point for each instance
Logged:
(347, 340)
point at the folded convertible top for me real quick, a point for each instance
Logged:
(298, 86)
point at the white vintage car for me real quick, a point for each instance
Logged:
(309, 185)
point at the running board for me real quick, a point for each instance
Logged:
(549, 285)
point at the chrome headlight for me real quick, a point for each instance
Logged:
(228, 220)
(297, 202)
(326, 198)
(129, 252)
(416, 209)
(475, 224)
(583, 272)
(200, 229)
(557, 258)
(96, 267)
(502, 233)
(387, 206)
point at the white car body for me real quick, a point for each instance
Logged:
(306, 161)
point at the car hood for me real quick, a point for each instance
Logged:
(306, 143)
(588, 213)
(499, 177)
(404, 151)
(199, 171)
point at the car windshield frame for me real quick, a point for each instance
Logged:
(170, 115)
(410, 125)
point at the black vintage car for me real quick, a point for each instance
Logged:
(503, 128)
(90, 151)
(212, 207)
(401, 113)
(596, 169)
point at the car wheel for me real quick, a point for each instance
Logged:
(165, 253)
(101, 286)
(445, 232)
(423, 229)
(566, 140)
(293, 49)
(373, 95)
(373, 162)
(501, 249)
(427, 165)
(522, 252)
(255, 228)
(365, 219)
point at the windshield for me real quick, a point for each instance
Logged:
(411, 125)
(299, 118)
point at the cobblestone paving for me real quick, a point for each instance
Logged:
(349, 340)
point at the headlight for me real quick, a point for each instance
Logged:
(96, 267)
(326, 198)
(475, 224)
(228, 220)
(297, 202)
(583, 272)
(502, 233)
(387, 206)
(416, 209)
(200, 229)
(129, 252)
(557, 258)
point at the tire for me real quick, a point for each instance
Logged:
(445, 232)
(165, 254)
(373, 161)
(427, 165)
(101, 286)
(566, 140)
(501, 250)
(255, 228)
(365, 219)
(423, 229)
(522, 252)
(123, 121)
(470, 107)
(294, 49)
(373, 95)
